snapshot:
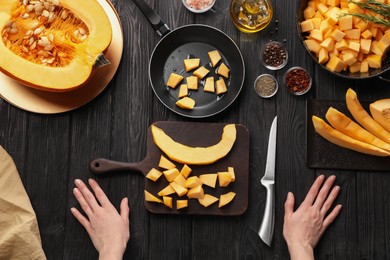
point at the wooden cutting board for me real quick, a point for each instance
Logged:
(192, 134)
(322, 154)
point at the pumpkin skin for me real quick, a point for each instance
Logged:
(72, 41)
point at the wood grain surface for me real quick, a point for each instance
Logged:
(51, 151)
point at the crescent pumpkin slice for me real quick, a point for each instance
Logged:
(340, 139)
(195, 155)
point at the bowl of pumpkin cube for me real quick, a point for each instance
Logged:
(339, 36)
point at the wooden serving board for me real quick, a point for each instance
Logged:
(192, 134)
(323, 154)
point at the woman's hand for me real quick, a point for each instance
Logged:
(303, 228)
(108, 230)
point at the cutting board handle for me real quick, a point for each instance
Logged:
(101, 165)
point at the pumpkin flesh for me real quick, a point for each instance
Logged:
(50, 44)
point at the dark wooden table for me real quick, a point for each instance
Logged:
(50, 151)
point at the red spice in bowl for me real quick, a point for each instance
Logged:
(297, 80)
(198, 6)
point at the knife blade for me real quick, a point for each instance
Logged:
(266, 230)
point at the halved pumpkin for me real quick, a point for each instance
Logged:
(52, 45)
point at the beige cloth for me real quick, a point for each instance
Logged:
(19, 233)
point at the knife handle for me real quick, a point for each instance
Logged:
(267, 224)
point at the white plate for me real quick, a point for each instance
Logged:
(44, 102)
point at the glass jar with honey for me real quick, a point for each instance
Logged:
(251, 16)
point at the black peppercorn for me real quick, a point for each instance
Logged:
(274, 55)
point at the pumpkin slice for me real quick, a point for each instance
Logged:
(195, 155)
(380, 111)
(340, 139)
(52, 45)
(364, 118)
(348, 127)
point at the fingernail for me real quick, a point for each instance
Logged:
(91, 180)
(77, 181)
(72, 209)
(75, 190)
(289, 194)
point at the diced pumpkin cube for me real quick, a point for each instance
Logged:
(313, 45)
(309, 12)
(384, 42)
(220, 86)
(333, 16)
(225, 199)
(209, 179)
(312, 4)
(345, 23)
(323, 56)
(364, 66)
(352, 34)
(367, 34)
(316, 35)
(374, 61)
(335, 64)
(365, 45)
(375, 49)
(325, 26)
(319, 15)
(168, 190)
(374, 31)
(337, 35)
(196, 192)
(185, 171)
(307, 26)
(316, 22)
(168, 201)
(354, 46)
(180, 180)
(151, 198)
(165, 163)
(180, 190)
(190, 64)
(192, 182)
(328, 44)
(180, 204)
(186, 103)
(223, 70)
(342, 45)
(322, 8)
(224, 179)
(154, 174)
(209, 85)
(361, 25)
(349, 59)
(192, 82)
(215, 57)
(333, 2)
(207, 200)
(355, 67)
(173, 80)
(354, 8)
(232, 174)
(183, 91)
(201, 72)
(171, 174)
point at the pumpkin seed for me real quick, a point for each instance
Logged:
(25, 16)
(30, 8)
(33, 45)
(64, 15)
(31, 41)
(13, 31)
(24, 49)
(38, 30)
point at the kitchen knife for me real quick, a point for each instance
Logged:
(267, 224)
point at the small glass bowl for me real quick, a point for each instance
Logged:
(293, 79)
(271, 63)
(198, 11)
(260, 83)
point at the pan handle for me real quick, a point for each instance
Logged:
(100, 166)
(155, 21)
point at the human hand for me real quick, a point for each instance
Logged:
(108, 230)
(303, 228)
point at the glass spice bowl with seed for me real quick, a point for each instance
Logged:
(274, 55)
(297, 80)
(266, 85)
